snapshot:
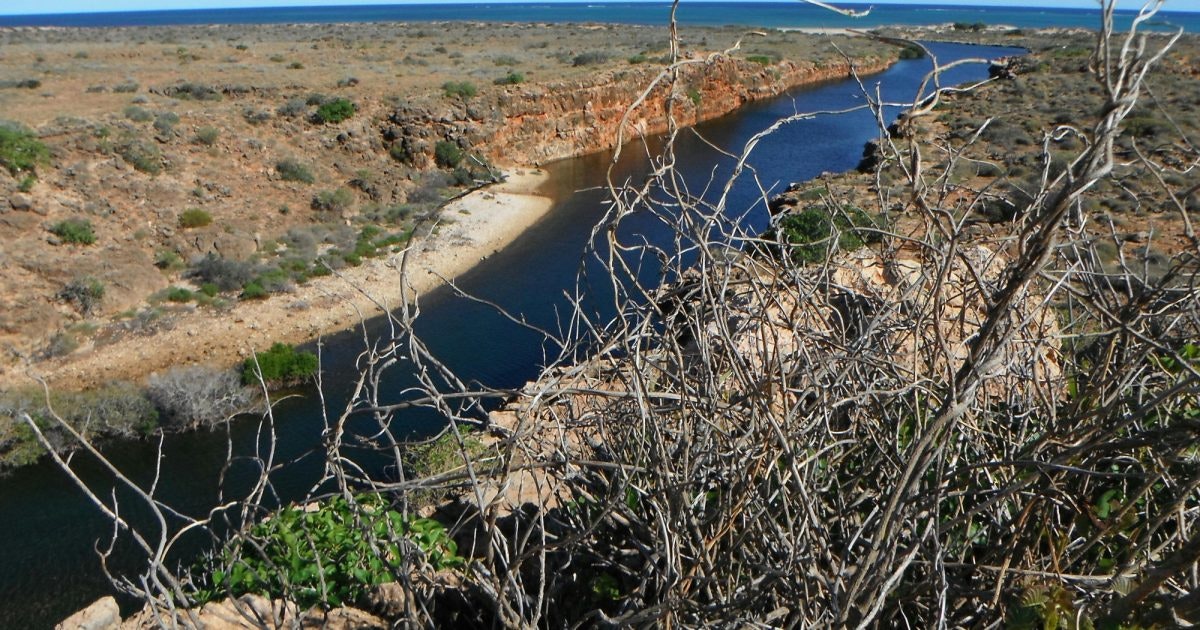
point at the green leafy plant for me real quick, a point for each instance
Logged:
(207, 136)
(77, 231)
(459, 89)
(20, 150)
(325, 557)
(512, 78)
(338, 200)
(447, 154)
(293, 171)
(281, 365)
(85, 293)
(812, 234)
(194, 218)
(335, 111)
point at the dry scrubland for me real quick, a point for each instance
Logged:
(169, 145)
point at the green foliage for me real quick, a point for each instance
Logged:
(590, 58)
(179, 294)
(225, 273)
(77, 231)
(459, 89)
(85, 293)
(811, 235)
(168, 260)
(762, 60)
(253, 290)
(138, 114)
(20, 150)
(326, 557)
(973, 27)
(335, 111)
(338, 200)
(280, 366)
(194, 218)
(27, 183)
(694, 96)
(293, 171)
(448, 154)
(506, 60)
(144, 155)
(513, 78)
(912, 52)
(1145, 126)
(639, 58)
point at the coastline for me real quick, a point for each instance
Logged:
(470, 229)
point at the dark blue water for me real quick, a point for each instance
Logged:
(48, 532)
(762, 14)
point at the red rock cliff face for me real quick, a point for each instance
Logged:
(539, 123)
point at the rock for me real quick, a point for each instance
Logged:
(21, 202)
(103, 614)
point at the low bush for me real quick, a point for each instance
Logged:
(512, 78)
(179, 294)
(293, 171)
(194, 218)
(328, 557)
(281, 365)
(85, 294)
(224, 273)
(196, 396)
(20, 149)
(590, 58)
(458, 89)
(447, 154)
(338, 200)
(143, 155)
(164, 123)
(762, 60)
(207, 136)
(505, 60)
(292, 108)
(253, 291)
(75, 231)
(813, 234)
(335, 111)
(138, 114)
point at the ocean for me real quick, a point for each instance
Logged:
(759, 14)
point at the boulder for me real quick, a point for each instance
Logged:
(103, 614)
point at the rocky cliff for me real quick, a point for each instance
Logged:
(543, 122)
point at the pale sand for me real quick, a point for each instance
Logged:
(471, 229)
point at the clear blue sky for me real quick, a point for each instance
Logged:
(19, 7)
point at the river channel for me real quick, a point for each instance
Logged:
(48, 532)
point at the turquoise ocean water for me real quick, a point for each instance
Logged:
(762, 14)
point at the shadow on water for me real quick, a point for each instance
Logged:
(49, 531)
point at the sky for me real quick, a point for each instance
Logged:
(19, 7)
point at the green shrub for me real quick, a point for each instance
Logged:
(168, 260)
(281, 365)
(138, 114)
(78, 231)
(811, 235)
(448, 154)
(335, 111)
(912, 52)
(207, 136)
(762, 60)
(209, 289)
(513, 78)
(225, 273)
(253, 291)
(27, 183)
(165, 122)
(357, 546)
(590, 58)
(506, 60)
(293, 171)
(84, 293)
(338, 200)
(179, 294)
(143, 155)
(194, 218)
(459, 89)
(639, 58)
(20, 150)
(695, 96)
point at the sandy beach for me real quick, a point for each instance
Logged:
(471, 228)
